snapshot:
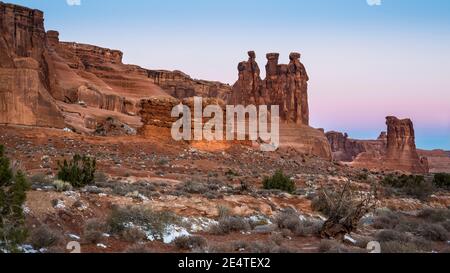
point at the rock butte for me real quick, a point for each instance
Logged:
(394, 150)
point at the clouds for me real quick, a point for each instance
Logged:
(73, 2)
(374, 2)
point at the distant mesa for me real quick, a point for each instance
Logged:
(394, 150)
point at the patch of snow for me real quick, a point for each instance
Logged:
(101, 246)
(198, 224)
(67, 130)
(172, 232)
(260, 218)
(28, 249)
(106, 235)
(74, 237)
(137, 195)
(26, 210)
(60, 204)
(72, 194)
(349, 239)
(49, 188)
(83, 207)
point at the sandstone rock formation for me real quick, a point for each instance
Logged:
(287, 87)
(45, 82)
(24, 75)
(284, 85)
(401, 150)
(394, 150)
(181, 86)
(247, 90)
(344, 148)
(438, 160)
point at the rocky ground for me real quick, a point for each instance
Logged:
(150, 191)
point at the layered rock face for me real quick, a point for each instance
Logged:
(401, 149)
(24, 75)
(344, 148)
(438, 160)
(394, 150)
(45, 82)
(181, 86)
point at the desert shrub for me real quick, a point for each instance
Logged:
(408, 225)
(363, 241)
(279, 181)
(223, 211)
(133, 235)
(230, 224)
(422, 243)
(43, 237)
(231, 173)
(263, 247)
(446, 225)
(79, 172)
(398, 247)
(190, 242)
(162, 161)
(221, 248)
(434, 232)
(435, 215)
(272, 245)
(331, 246)
(386, 219)
(94, 230)
(121, 218)
(41, 179)
(277, 238)
(442, 180)
(123, 189)
(290, 220)
(363, 175)
(194, 187)
(244, 187)
(138, 249)
(411, 185)
(62, 186)
(100, 177)
(13, 187)
(392, 235)
(308, 228)
(345, 207)
(320, 204)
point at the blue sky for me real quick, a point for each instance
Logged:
(365, 62)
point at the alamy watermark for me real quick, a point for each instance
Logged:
(241, 123)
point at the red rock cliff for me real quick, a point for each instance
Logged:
(45, 82)
(24, 76)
